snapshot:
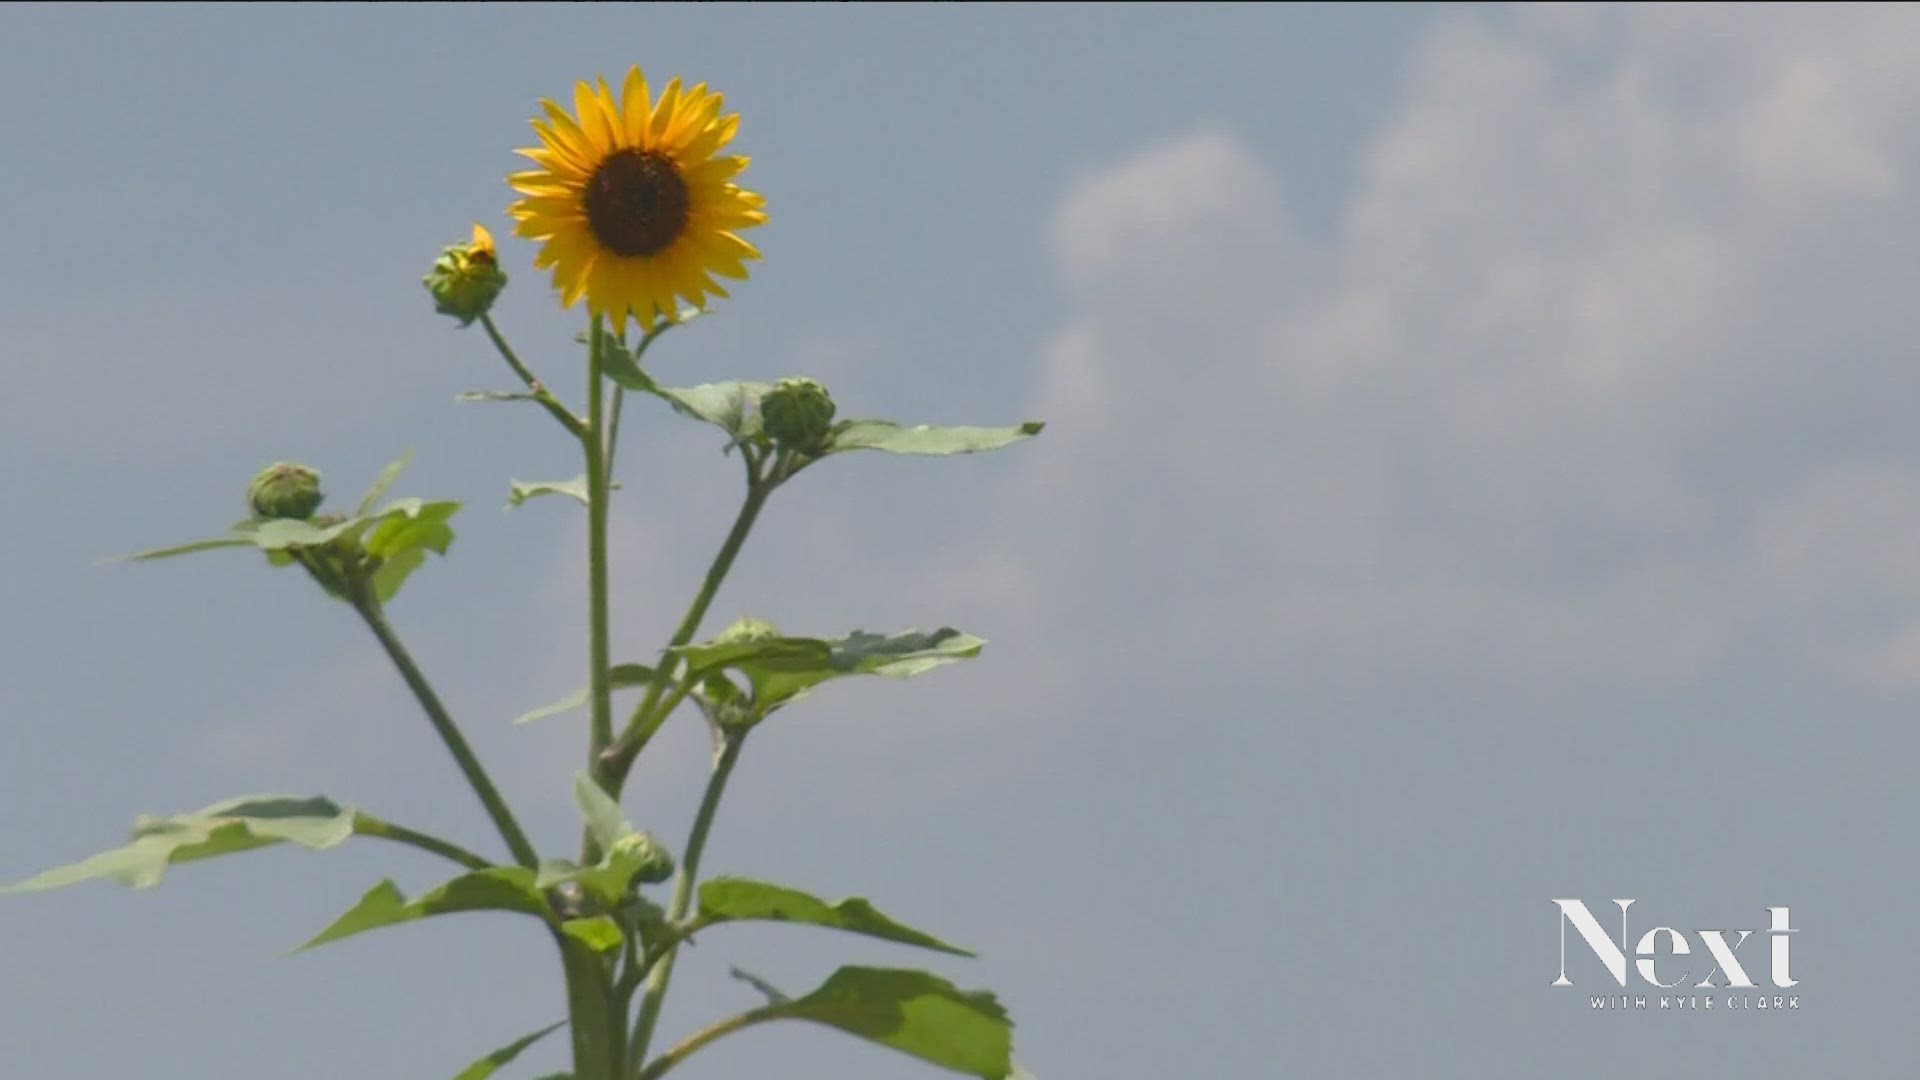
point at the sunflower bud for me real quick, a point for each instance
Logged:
(797, 414)
(466, 278)
(748, 628)
(654, 862)
(285, 490)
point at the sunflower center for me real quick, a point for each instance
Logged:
(636, 203)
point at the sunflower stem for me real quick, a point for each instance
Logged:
(600, 690)
(539, 389)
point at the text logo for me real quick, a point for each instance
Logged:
(1718, 953)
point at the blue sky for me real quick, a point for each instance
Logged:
(1480, 469)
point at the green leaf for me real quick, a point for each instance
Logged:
(410, 525)
(924, 439)
(383, 483)
(401, 534)
(728, 899)
(471, 396)
(731, 406)
(916, 1013)
(522, 490)
(488, 1065)
(604, 820)
(501, 888)
(622, 365)
(781, 669)
(619, 676)
(241, 824)
(394, 572)
(598, 932)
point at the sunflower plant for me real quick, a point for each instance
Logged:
(637, 208)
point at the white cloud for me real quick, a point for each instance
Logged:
(1584, 382)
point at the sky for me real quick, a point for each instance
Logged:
(1482, 467)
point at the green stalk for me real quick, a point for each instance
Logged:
(706, 1035)
(599, 1038)
(645, 721)
(365, 824)
(662, 973)
(456, 743)
(599, 691)
(540, 393)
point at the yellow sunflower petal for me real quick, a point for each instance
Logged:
(564, 134)
(634, 105)
(664, 111)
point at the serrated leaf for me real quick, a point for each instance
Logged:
(384, 483)
(488, 1065)
(235, 825)
(619, 677)
(519, 491)
(916, 1013)
(885, 435)
(729, 899)
(605, 821)
(598, 932)
(781, 669)
(500, 888)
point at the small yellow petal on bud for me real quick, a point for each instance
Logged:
(467, 278)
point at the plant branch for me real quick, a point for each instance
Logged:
(618, 759)
(701, 1038)
(539, 390)
(456, 743)
(365, 824)
(662, 973)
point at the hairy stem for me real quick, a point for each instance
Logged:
(456, 743)
(662, 973)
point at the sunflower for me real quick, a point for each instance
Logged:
(635, 208)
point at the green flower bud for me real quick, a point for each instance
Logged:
(654, 862)
(285, 490)
(466, 278)
(797, 414)
(748, 628)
